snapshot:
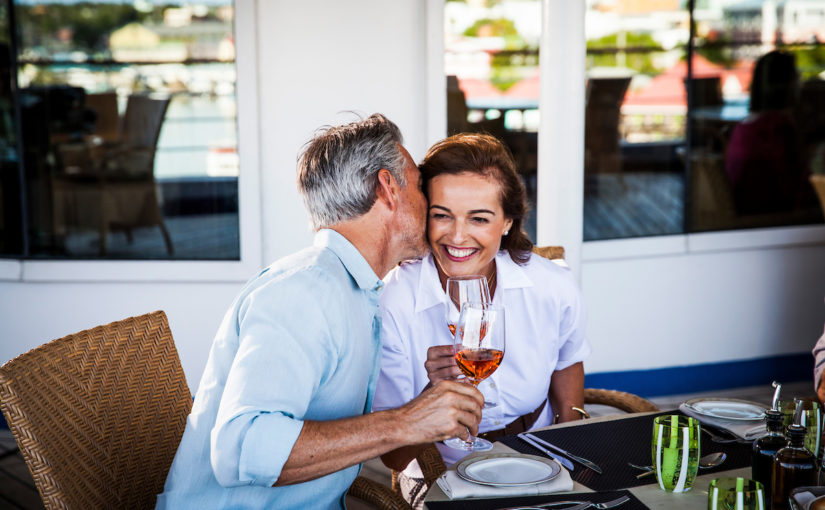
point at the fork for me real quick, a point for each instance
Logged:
(580, 505)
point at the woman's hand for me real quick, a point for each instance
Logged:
(441, 365)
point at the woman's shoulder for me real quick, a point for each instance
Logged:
(401, 282)
(549, 276)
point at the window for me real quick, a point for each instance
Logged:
(681, 139)
(669, 142)
(119, 138)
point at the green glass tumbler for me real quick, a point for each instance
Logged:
(675, 452)
(736, 494)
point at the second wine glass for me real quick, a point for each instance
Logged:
(464, 289)
(479, 349)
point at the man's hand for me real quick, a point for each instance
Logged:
(448, 409)
(820, 391)
(441, 365)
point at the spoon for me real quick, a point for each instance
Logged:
(710, 460)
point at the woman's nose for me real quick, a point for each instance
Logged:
(458, 233)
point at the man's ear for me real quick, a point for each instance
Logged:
(387, 189)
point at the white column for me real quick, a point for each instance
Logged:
(560, 194)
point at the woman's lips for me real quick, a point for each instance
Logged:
(459, 254)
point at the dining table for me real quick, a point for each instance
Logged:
(611, 441)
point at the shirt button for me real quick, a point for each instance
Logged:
(492, 385)
(498, 422)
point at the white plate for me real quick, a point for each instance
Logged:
(727, 408)
(508, 469)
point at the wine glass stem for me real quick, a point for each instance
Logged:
(470, 437)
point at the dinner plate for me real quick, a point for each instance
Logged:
(727, 408)
(508, 469)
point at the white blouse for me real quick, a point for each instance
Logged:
(545, 323)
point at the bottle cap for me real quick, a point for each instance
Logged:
(773, 418)
(796, 434)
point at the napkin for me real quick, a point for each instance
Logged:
(456, 487)
(748, 430)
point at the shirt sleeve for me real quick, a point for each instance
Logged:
(283, 353)
(819, 360)
(395, 381)
(574, 346)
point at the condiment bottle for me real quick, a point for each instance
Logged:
(765, 448)
(793, 466)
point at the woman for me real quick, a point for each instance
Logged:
(477, 205)
(763, 163)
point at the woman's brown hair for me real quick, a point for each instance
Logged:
(485, 155)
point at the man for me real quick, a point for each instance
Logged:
(279, 417)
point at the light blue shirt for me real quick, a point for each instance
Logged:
(301, 342)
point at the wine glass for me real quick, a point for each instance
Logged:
(479, 349)
(463, 289)
(466, 289)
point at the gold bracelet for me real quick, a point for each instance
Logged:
(579, 410)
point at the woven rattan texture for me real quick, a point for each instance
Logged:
(98, 415)
(612, 444)
(491, 504)
(377, 494)
(627, 402)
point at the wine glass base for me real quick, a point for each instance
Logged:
(478, 445)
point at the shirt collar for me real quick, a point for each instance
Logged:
(429, 292)
(353, 261)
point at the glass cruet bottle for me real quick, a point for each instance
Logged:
(765, 448)
(793, 466)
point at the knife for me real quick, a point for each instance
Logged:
(564, 462)
(584, 462)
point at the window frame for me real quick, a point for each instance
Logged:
(249, 200)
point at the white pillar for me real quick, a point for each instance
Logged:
(560, 195)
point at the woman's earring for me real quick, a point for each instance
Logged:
(506, 232)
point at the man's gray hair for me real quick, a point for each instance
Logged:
(338, 168)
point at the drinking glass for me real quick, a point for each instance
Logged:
(736, 494)
(464, 289)
(675, 452)
(811, 419)
(479, 349)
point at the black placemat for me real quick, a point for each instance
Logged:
(492, 504)
(612, 444)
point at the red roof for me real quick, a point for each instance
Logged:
(666, 88)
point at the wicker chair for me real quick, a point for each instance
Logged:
(98, 414)
(626, 402)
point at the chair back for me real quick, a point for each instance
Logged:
(107, 125)
(602, 116)
(98, 415)
(143, 120)
(818, 182)
(549, 252)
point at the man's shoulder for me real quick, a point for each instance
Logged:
(310, 267)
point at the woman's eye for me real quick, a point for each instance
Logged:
(438, 216)
(478, 219)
